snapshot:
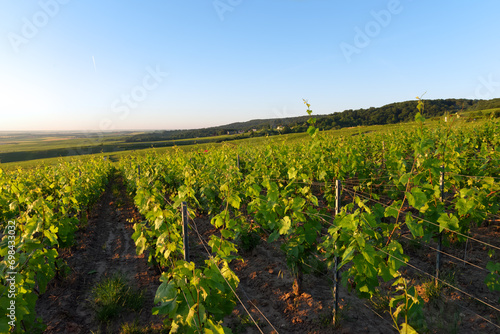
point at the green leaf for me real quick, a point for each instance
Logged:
(190, 319)
(314, 200)
(215, 328)
(347, 222)
(217, 221)
(227, 234)
(387, 272)
(493, 267)
(273, 237)
(489, 180)
(417, 199)
(140, 244)
(464, 206)
(395, 300)
(286, 225)
(407, 329)
(492, 281)
(449, 222)
(4, 324)
(311, 130)
(419, 118)
(51, 234)
(347, 256)
(392, 210)
(273, 192)
(405, 178)
(235, 201)
(310, 233)
(298, 203)
(166, 295)
(360, 240)
(369, 256)
(158, 222)
(416, 228)
(254, 190)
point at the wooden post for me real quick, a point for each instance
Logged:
(440, 236)
(465, 254)
(185, 246)
(441, 184)
(139, 170)
(238, 161)
(338, 188)
(383, 154)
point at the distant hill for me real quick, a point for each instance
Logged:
(389, 114)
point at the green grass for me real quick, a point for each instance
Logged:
(244, 324)
(135, 328)
(113, 295)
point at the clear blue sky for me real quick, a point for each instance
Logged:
(99, 65)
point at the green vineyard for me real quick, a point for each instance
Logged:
(392, 217)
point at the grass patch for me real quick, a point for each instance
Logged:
(135, 328)
(434, 294)
(114, 295)
(115, 190)
(341, 316)
(249, 240)
(244, 324)
(381, 301)
(431, 292)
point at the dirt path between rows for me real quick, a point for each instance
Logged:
(103, 248)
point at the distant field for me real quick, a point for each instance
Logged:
(19, 147)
